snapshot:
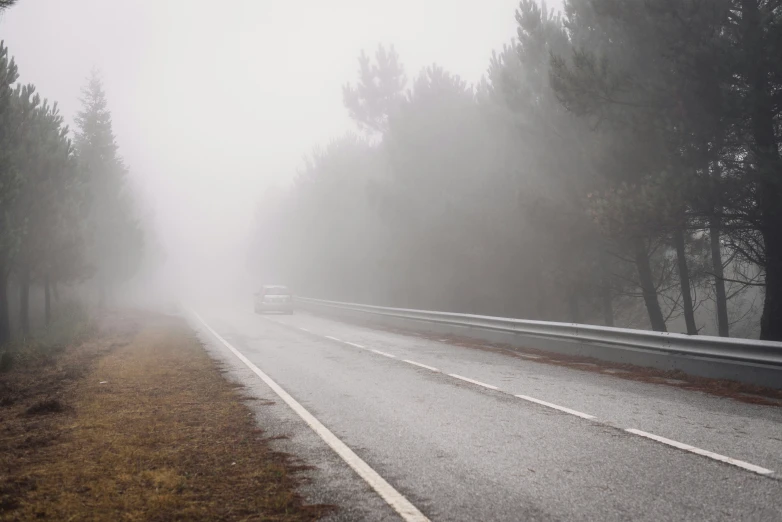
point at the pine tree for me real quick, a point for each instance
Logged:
(116, 239)
(378, 92)
(8, 76)
(624, 76)
(704, 76)
(756, 36)
(48, 196)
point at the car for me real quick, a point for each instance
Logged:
(273, 298)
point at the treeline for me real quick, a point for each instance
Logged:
(65, 212)
(619, 164)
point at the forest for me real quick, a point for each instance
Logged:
(67, 215)
(620, 163)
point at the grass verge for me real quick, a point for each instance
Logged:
(137, 423)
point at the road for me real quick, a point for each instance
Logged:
(424, 415)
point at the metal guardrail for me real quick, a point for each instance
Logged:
(747, 360)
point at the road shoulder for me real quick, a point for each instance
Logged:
(328, 479)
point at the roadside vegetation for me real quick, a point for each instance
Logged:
(106, 414)
(620, 163)
(134, 421)
(67, 215)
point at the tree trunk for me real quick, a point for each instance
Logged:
(719, 282)
(24, 300)
(648, 289)
(684, 281)
(769, 162)
(47, 300)
(5, 321)
(771, 320)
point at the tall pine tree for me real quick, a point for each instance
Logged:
(116, 240)
(49, 193)
(8, 76)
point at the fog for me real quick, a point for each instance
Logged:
(213, 103)
(492, 157)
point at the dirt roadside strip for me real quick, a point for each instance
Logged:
(138, 423)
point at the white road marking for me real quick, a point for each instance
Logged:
(384, 354)
(303, 329)
(333, 338)
(556, 407)
(702, 452)
(421, 365)
(467, 379)
(680, 445)
(394, 499)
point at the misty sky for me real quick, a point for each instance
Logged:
(212, 101)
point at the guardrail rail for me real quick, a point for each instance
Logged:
(745, 360)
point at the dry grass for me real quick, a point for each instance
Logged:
(139, 424)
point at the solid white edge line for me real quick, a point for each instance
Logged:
(556, 407)
(384, 354)
(421, 365)
(467, 379)
(705, 453)
(333, 338)
(354, 344)
(394, 499)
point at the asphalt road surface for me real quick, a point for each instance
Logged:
(460, 433)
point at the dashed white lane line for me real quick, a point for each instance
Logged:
(478, 383)
(303, 329)
(333, 338)
(703, 452)
(384, 354)
(432, 368)
(556, 407)
(680, 445)
(396, 500)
